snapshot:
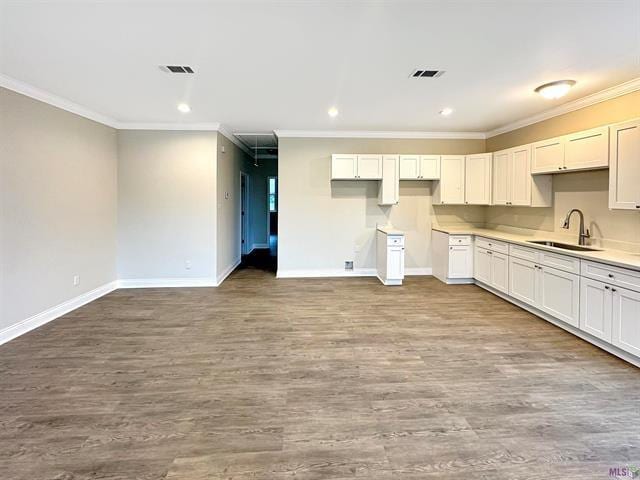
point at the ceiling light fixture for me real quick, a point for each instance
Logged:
(184, 108)
(555, 89)
(445, 112)
(333, 112)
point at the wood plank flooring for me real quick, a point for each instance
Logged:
(312, 379)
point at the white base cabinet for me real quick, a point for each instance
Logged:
(596, 308)
(491, 268)
(452, 257)
(390, 257)
(626, 320)
(559, 294)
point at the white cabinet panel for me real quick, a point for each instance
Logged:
(460, 262)
(561, 262)
(478, 179)
(560, 294)
(523, 280)
(369, 167)
(395, 263)
(520, 176)
(626, 320)
(482, 265)
(343, 166)
(595, 308)
(500, 271)
(450, 188)
(624, 174)
(389, 187)
(429, 167)
(501, 177)
(587, 150)
(409, 167)
(548, 155)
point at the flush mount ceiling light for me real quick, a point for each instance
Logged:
(556, 89)
(333, 112)
(184, 108)
(445, 112)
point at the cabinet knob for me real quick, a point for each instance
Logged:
(611, 275)
(564, 168)
(606, 287)
(613, 290)
(637, 206)
(559, 168)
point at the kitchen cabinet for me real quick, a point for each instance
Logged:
(587, 150)
(523, 280)
(513, 183)
(596, 308)
(388, 192)
(482, 265)
(491, 268)
(477, 185)
(626, 320)
(548, 155)
(624, 173)
(389, 256)
(450, 188)
(419, 167)
(559, 294)
(452, 257)
(369, 167)
(356, 167)
(460, 261)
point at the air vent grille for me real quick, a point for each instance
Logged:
(176, 68)
(426, 73)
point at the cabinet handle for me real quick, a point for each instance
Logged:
(637, 206)
(564, 168)
(613, 290)
(490, 253)
(611, 275)
(559, 168)
(606, 287)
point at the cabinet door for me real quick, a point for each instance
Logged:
(343, 167)
(624, 176)
(501, 176)
(482, 265)
(560, 294)
(595, 308)
(409, 167)
(522, 280)
(395, 263)
(587, 150)
(430, 167)
(452, 179)
(626, 320)
(548, 156)
(460, 262)
(389, 187)
(369, 167)
(520, 176)
(478, 179)
(500, 271)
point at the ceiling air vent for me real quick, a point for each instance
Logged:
(176, 68)
(425, 73)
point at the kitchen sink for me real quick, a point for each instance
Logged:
(565, 246)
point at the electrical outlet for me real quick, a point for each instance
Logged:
(223, 149)
(226, 195)
(76, 280)
(348, 265)
(187, 264)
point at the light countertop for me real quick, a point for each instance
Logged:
(618, 258)
(389, 230)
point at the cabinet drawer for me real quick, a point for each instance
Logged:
(524, 253)
(493, 245)
(621, 277)
(561, 262)
(459, 239)
(395, 240)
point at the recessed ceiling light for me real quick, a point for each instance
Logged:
(184, 108)
(445, 112)
(555, 89)
(333, 112)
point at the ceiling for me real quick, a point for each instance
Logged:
(265, 65)
(262, 145)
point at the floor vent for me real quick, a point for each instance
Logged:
(176, 68)
(422, 73)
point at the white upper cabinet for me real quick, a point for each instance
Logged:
(477, 169)
(388, 193)
(369, 167)
(419, 167)
(344, 166)
(501, 177)
(548, 155)
(513, 183)
(450, 188)
(624, 176)
(587, 150)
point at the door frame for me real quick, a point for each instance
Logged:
(244, 219)
(269, 177)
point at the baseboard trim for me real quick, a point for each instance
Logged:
(607, 347)
(328, 272)
(166, 282)
(418, 271)
(52, 313)
(222, 277)
(259, 245)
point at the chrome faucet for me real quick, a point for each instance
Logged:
(582, 236)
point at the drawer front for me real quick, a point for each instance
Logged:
(524, 253)
(561, 262)
(621, 277)
(494, 245)
(395, 240)
(459, 239)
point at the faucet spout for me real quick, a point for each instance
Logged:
(582, 235)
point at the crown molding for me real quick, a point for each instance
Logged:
(572, 106)
(377, 134)
(23, 88)
(223, 130)
(203, 127)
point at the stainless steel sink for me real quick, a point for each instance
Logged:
(565, 246)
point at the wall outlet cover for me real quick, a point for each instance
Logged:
(348, 265)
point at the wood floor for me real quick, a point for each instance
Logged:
(312, 379)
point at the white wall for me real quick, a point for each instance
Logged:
(323, 223)
(166, 205)
(57, 207)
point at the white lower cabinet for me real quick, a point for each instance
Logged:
(626, 320)
(596, 308)
(482, 265)
(559, 294)
(492, 268)
(522, 280)
(460, 261)
(390, 258)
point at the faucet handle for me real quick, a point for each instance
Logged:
(587, 234)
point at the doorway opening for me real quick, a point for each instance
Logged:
(244, 213)
(272, 208)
